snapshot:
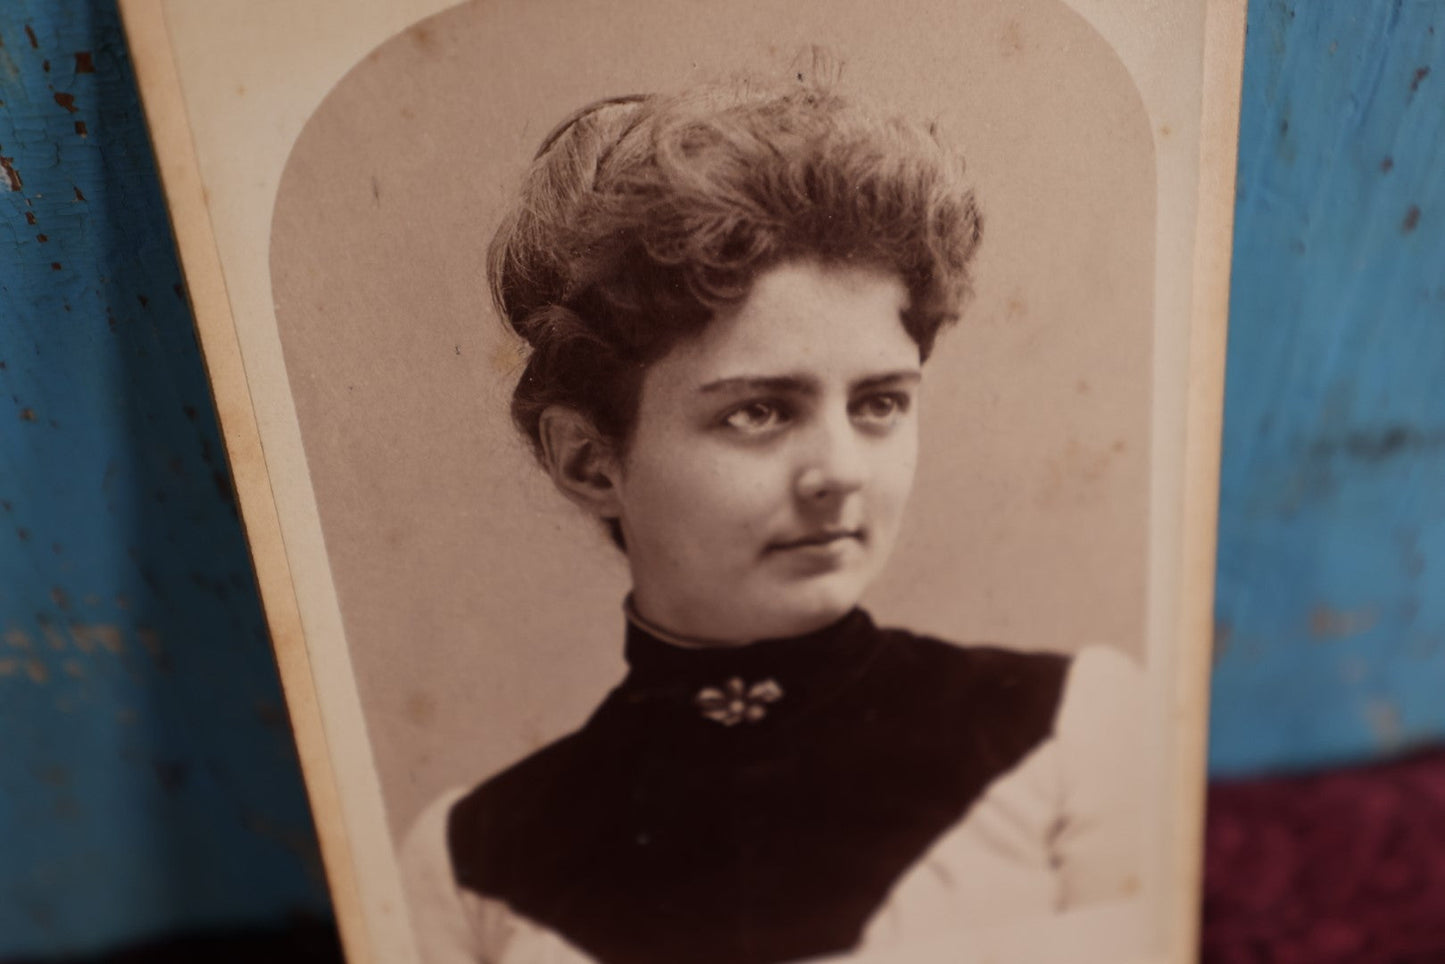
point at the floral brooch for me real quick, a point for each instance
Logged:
(736, 702)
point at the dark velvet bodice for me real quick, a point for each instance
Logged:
(771, 829)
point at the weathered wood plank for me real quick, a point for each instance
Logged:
(1330, 602)
(147, 778)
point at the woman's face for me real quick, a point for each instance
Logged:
(773, 456)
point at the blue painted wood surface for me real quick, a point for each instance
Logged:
(147, 777)
(1330, 598)
(147, 781)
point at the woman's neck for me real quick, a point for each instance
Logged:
(662, 633)
(680, 640)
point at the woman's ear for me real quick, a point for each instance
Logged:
(582, 463)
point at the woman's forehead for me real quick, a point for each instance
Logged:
(804, 320)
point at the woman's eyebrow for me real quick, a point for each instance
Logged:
(904, 376)
(782, 384)
(803, 384)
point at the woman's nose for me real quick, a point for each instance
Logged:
(833, 463)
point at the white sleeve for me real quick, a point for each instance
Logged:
(1099, 738)
(439, 914)
(455, 926)
(1058, 831)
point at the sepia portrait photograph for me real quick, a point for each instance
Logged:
(730, 483)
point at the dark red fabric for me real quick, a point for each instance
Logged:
(1345, 866)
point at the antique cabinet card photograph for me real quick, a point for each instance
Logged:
(729, 483)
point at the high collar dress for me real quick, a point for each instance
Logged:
(757, 804)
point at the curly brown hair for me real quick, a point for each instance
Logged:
(642, 216)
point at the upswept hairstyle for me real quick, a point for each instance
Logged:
(642, 216)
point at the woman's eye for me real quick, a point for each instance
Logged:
(755, 417)
(880, 410)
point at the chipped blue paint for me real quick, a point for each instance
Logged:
(147, 778)
(1331, 602)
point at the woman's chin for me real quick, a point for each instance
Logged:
(805, 608)
(755, 609)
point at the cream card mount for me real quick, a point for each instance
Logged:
(949, 702)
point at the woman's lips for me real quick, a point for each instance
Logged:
(819, 553)
(817, 540)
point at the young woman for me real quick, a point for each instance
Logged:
(729, 296)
